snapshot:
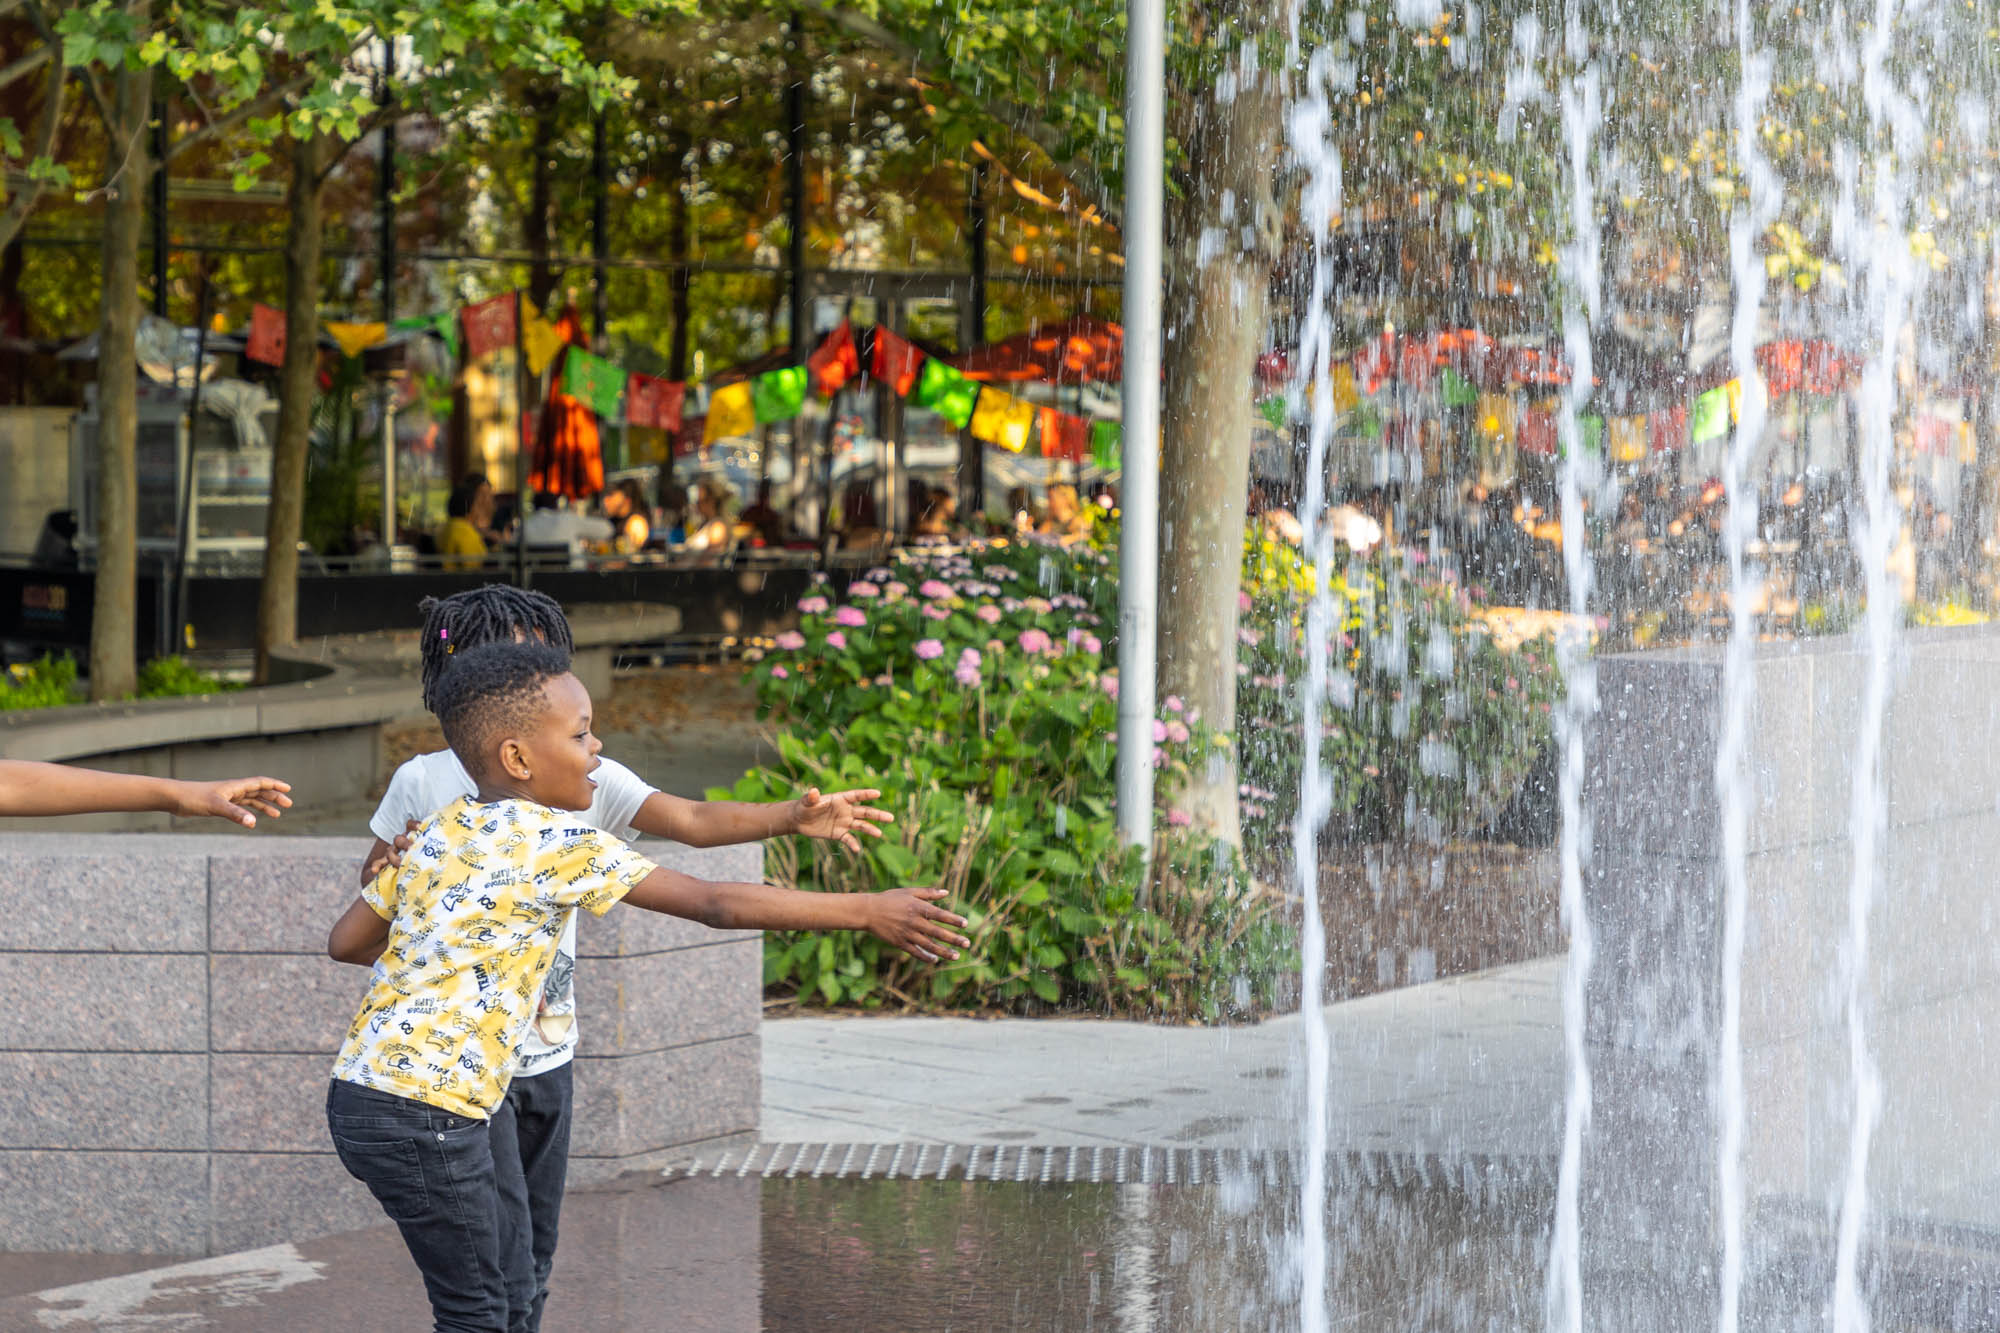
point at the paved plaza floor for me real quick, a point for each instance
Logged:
(1467, 1066)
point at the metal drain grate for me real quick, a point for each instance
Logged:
(1476, 1176)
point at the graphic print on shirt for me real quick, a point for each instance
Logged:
(473, 937)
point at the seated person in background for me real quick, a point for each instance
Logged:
(552, 523)
(939, 519)
(1021, 507)
(766, 524)
(1066, 521)
(709, 530)
(625, 507)
(468, 518)
(860, 528)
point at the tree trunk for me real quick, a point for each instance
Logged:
(1218, 297)
(113, 627)
(278, 599)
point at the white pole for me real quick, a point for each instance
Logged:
(1139, 533)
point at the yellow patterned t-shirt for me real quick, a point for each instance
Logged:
(475, 913)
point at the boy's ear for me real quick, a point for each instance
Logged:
(514, 759)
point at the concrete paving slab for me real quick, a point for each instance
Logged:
(1470, 1064)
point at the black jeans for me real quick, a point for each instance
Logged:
(530, 1164)
(432, 1172)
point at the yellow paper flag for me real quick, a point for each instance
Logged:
(1735, 391)
(1002, 419)
(354, 339)
(1629, 441)
(539, 338)
(1344, 396)
(732, 410)
(1496, 414)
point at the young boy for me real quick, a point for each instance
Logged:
(471, 923)
(531, 1129)
(30, 788)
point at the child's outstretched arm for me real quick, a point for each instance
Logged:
(837, 816)
(29, 788)
(359, 936)
(906, 918)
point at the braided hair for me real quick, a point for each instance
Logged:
(495, 613)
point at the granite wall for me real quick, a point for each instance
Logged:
(163, 1081)
(1654, 887)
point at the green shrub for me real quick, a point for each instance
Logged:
(51, 682)
(1432, 720)
(47, 682)
(973, 691)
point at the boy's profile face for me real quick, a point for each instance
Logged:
(551, 762)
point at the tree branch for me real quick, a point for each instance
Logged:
(91, 83)
(1020, 119)
(250, 110)
(30, 194)
(27, 64)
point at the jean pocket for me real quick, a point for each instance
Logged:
(392, 1172)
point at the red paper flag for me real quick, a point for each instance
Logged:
(1064, 436)
(489, 326)
(1537, 432)
(1667, 429)
(835, 361)
(1414, 363)
(654, 402)
(897, 361)
(267, 335)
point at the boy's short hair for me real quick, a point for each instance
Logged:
(491, 690)
(495, 613)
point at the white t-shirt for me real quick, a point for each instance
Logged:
(430, 782)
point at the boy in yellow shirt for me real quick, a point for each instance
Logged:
(467, 928)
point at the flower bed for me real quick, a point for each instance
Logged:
(975, 692)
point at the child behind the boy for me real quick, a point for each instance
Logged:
(531, 1128)
(467, 929)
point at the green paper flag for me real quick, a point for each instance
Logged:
(1368, 423)
(1107, 444)
(1592, 431)
(1711, 416)
(779, 395)
(948, 393)
(596, 383)
(1272, 409)
(1456, 390)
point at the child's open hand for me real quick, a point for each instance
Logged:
(393, 854)
(839, 815)
(907, 919)
(232, 799)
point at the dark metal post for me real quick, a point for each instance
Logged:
(520, 441)
(972, 452)
(795, 220)
(159, 187)
(600, 233)
(181, 630)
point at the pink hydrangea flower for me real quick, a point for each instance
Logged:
(1074, 637)
(894, 589)
(779, 673)
(881, 573)
(863, 589)
(1041, 606)
(936, 612)
(1159, 731)
(968, 657)
(791, 640)
(1092, 644)
(1242, 601)
(812, 606)
(1108, 682)
(851, 616)
(1159, 757)
(1179, 818)
(1035, 641)
(885, 680)
(929, 649)
(988, 613)
(995, 646)
(1177, 732)
(932, 588)
(966, 675)
(836, 640)
(1173, 704)
(1249, 638)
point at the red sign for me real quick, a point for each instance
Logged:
(267, 335)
